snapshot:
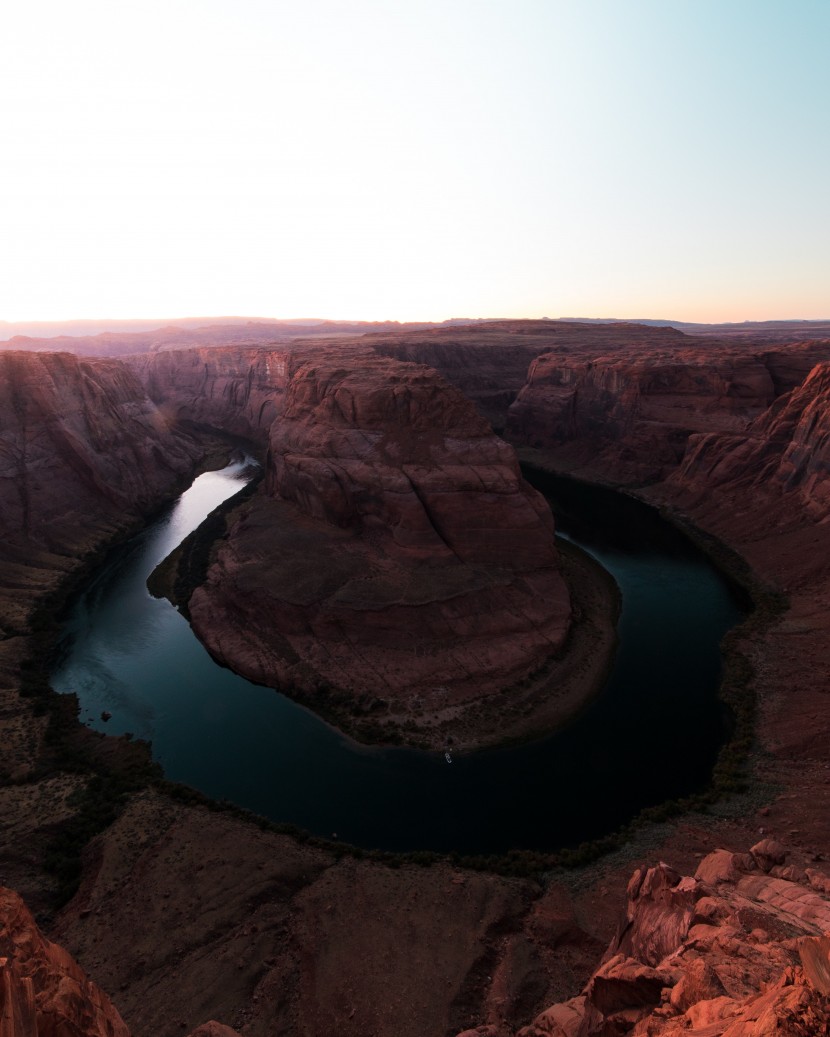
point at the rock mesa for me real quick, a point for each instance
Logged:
(396, 553)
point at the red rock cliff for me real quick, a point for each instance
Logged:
(239, 390)
(784, 455)
(391, 449)
(82, 450)
(628, 416)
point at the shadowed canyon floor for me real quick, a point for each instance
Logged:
(184, 914)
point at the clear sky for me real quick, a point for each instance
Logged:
(415, 160)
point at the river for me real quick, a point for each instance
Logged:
(653, 733)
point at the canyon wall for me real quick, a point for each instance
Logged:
(783, 455)
(631, 416)
(627, 418)
(489, 363)
(238, 390)
(82, 451)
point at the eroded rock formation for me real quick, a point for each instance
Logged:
(783, 455)
(631, 415)
(43, 991)
(740, 950)
(240, 391)
(397, 552)
(82, 450)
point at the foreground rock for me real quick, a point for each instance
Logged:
(271, 935)
(43, 992)
(397, 555)
(739, 950)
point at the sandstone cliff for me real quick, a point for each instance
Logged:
(630, 416)
(489, 362)
(239, 390)
(626, 414)
(783, 455)
(82, 449)
(45, 993)
(397, 554)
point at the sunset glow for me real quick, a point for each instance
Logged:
(382, 159)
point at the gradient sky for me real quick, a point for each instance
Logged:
(416, 161)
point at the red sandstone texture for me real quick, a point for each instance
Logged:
(43, 991)
(397, 550)
(627, 416)
(239, 390)
(783, 454)
(740, 950)
(82, 449)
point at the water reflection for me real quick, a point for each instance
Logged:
(653, 733)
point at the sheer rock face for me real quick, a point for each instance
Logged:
(735, 951)
(238, 390)
(43, 991)
(784, 453)
(397, 550)
(629, 415)
(82, 451)
(79, 439)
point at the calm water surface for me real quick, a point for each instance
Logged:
(653, 733)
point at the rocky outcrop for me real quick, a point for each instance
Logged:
(82, 450)
(784, 455)
(43, 991)
(738, 950)
(397, 553)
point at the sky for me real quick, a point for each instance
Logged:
(419, 160)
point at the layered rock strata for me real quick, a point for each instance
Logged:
(82, 449)
(783, 455)
(396, 554)
(43, 991)
(631, 416)
(627, 414)
(238, 390)
(740, 950)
